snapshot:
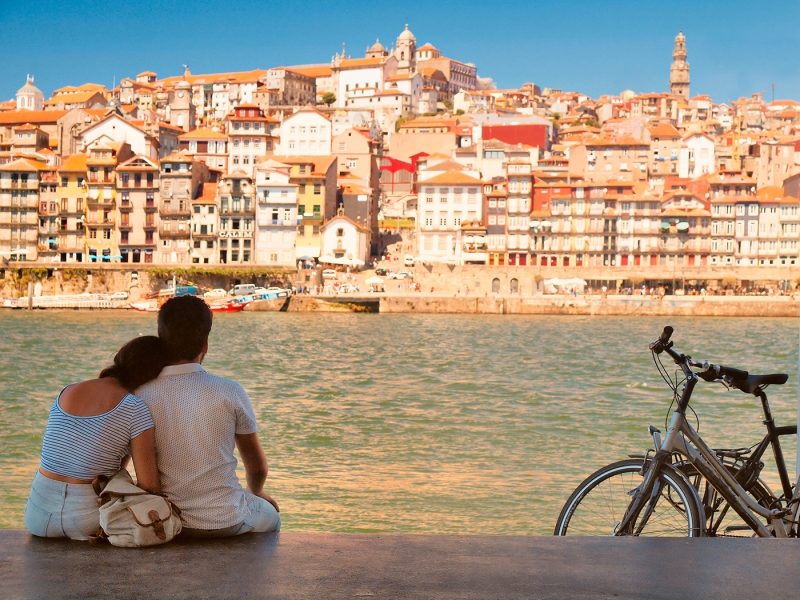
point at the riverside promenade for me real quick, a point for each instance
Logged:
(591, 305)
(332, 566)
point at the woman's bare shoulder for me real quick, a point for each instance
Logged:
(91, 397)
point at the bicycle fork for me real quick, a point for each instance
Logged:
(646, 495)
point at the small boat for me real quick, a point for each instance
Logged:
(227, 307)
(146, 306)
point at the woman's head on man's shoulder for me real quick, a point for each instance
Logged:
(184, 323)
(138, 361)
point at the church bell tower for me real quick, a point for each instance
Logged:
(679, 71)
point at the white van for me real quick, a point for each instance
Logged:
(243, 289)
(408, 261)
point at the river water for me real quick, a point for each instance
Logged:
(416, 423)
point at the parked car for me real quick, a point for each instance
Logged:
(401, 275)
(215, 293)
(243, 289)
(380, 271)
(408, 261)
(119, 296)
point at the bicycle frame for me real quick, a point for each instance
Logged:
(682, 439)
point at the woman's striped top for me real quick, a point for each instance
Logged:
(84, 447)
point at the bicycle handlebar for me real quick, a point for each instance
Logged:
(713, 372)
(710, 371)
(662, 342)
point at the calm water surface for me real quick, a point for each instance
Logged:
(415, 423)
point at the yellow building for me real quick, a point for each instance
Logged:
(71, 206)
(315, 177)
(102, 241)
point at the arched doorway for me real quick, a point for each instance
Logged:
(514, 286)
(495, 285)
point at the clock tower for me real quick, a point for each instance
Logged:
(679, 71)
(181, 109)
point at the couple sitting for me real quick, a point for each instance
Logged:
(179, 423)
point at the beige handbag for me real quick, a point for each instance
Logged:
(132, 517)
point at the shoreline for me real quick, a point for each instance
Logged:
(444, 303)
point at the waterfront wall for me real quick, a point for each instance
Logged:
(717, 306)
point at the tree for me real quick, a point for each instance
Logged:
(328, 98)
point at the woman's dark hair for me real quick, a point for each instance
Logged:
(184, 323)
(138, 361)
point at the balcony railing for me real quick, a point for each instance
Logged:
(174, 233)
(171, 211)
(104, 221)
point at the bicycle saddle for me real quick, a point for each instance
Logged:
(752, 383)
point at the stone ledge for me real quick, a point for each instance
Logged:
(302, 565)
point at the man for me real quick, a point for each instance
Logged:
(199, 418)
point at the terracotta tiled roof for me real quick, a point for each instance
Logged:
(231, 77)
(209, 193)
(202, 133)
(71, 97)
(26, 165)
(664, 130)
(452, 178)
(75, 163)
(11, 117)
(312, 70)
(361, 63)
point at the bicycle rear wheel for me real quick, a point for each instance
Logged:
(597, 505)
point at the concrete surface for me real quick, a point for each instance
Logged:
(302, 565)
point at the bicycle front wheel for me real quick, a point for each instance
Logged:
(598, 504)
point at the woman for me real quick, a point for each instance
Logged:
(92, 429)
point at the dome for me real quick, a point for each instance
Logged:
(377, 46)
(406, 35)
(183, 85)
(29, 97)
(29, 88)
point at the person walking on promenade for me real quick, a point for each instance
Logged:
(93, 428)
(199, 419)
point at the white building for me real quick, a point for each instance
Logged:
(306, 132)
(114, 129)
(444, 203)
(696, 156)
(276, 215)
(343, 238)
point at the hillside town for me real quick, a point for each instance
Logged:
(401, 153)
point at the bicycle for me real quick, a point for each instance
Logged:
(682, 486)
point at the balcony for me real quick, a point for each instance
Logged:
(241, 212)
(100, 179)
(125, 226)
(100, 221)
(174, 233)
(150, 206)
(204, 236)
(17, 184)
(173, 211)
(48, 229)
(125, 206)
(47, 246)
(100, 202)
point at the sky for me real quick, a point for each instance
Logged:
(735, 47)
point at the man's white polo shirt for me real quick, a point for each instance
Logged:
(196, 417)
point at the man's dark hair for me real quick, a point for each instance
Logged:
(137, 362)
(184, 323)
